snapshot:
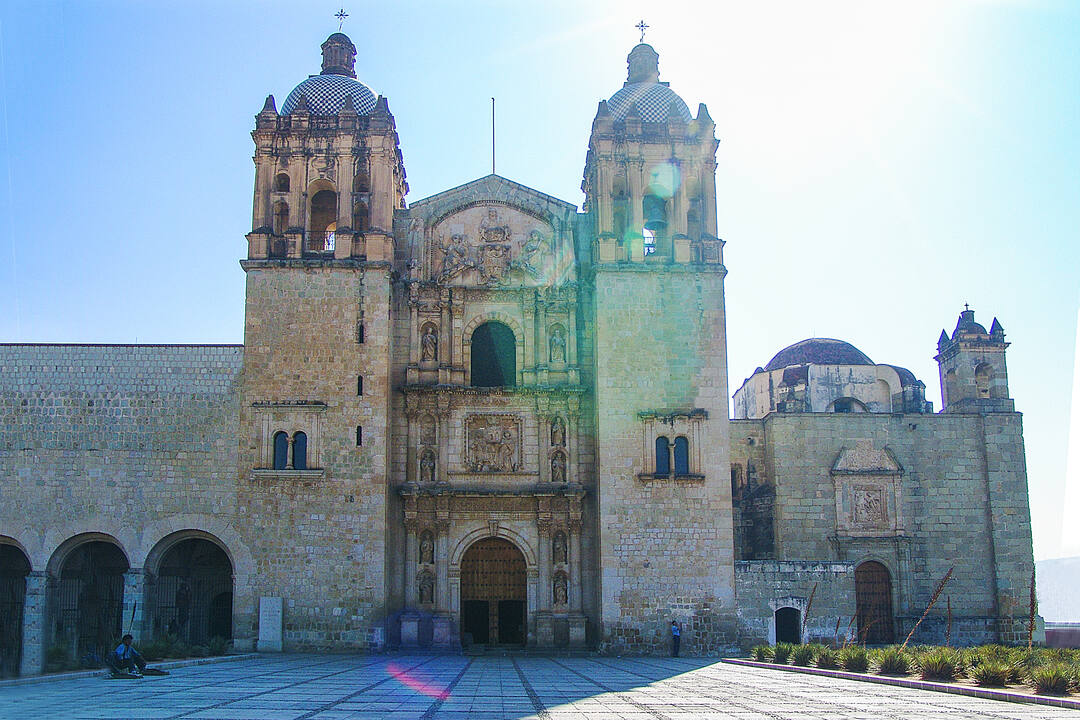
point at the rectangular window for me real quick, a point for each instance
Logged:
(359, 436)
(359, 384)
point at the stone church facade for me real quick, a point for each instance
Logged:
(450, 423)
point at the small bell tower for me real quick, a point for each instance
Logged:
(971, 363)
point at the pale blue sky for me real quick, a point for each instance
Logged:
(880, 163)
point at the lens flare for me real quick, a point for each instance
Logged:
(413, 681)
(664, 179)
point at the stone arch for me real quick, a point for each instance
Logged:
(198, 525)
(281, 182)
(64, 549)
(494, 317)
(190, 587)
(984, 374)
(87, 601)
(846, 404)
(501, 532)
(544, 216)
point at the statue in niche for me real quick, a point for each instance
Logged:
(427, 466)
(427, 430)
(558, 548)
(559, 589)
(558, 468)
(426, 583)
(558, 433)
(455, 257)
(429, 343)
(427, 548)
(558, 345)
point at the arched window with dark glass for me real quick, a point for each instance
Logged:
(494, 356)
(299, 451)
(682, 456)
(663, 457)
(281, 451)
(281, 183)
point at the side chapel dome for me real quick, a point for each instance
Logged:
(818, 351)
(654, 99)
(326, 93)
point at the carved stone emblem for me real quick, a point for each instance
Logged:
(868, 505)
(494, 443)
(493, 263)
(491, 231)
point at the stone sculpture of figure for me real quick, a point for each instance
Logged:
(429, 343)
(427, 466)
(558, 468)
(426, 583)
(532, 254)
(558, 433)
(455, 257)
(558, 548)
(427, 548)
(558, 345)
(559, 591)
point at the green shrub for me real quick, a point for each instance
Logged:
(782, 652)
(828, 659)
(1052, 678)
(761, 653)
(218, 645)
(803, 655)
(854, 659)
(990, 672)
(940, 664)
(892, 661)
(199, 651)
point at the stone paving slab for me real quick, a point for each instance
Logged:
(429, 687)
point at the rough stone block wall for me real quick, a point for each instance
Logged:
(319, 542)
(762, 587)
(133, 441)
(666, 547)
(964, 505)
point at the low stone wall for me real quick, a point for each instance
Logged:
(764, 586)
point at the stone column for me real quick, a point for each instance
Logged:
(709, 210)
(442, 562)
(34, 627)
(134, 602)
(571, 447)
(411, 474)
(411, 599)
(543, 560)
(574, 549)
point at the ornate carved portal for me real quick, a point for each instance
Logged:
(493, 593)
(493, 443)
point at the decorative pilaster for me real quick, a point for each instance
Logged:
(574, 527)
(411, 529)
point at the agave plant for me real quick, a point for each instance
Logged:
(892, 661)
(803, 655)
(782, 652)
(1053, 678)
(854, 658)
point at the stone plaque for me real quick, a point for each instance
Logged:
(270, 624)
(493, 443)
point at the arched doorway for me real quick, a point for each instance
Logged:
(192, 594)
(494, 356)
(787, 625)
(873, 603)
(493, 608)
(90, 602)
(14, 567)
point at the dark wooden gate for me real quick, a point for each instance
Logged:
(492, 573)
(193, 592)
(873, 603)
(14, 567)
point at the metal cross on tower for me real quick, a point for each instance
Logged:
(341, 15)
(642, 27)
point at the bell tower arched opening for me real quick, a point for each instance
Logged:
(493, 593)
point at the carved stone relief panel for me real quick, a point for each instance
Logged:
(867, 481)
(493, 443)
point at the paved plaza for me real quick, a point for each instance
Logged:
(340, 687)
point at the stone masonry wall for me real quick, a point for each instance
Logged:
(666, 548)
(318, 536)
(964, 505)
(763, 587)
(131, 441)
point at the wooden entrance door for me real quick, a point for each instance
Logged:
(493, 593)
(873, 603)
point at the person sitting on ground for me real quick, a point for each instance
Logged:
(127, 659)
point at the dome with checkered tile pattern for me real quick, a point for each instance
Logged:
(643, 89)
(325, 94)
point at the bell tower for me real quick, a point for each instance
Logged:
(315, 396)
(660, 354)
(972, 366)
